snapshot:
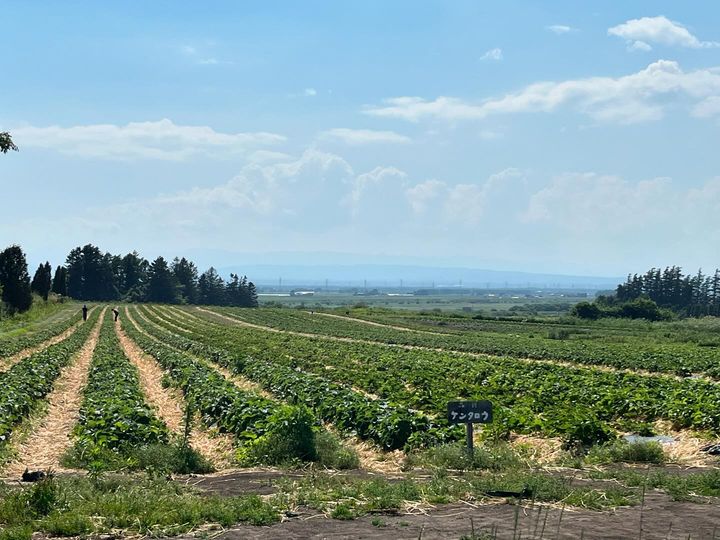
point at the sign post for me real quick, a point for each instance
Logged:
(469, 413)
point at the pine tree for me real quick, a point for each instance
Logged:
(42, 281)
(15, 280)
(59, 283)
(162, 286)
(186, 274)
(211, 288)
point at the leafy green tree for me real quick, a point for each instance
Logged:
(6, 143)
(586, 310)
(59, 282)
(15, 280)
(186, 274)
(162, 285)
(42, 281)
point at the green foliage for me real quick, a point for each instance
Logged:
(626, 452)
(494, 457)
(31, 335)
(528, 396)
(59, 282)
(90, 274)
(162, 285)
(14, 280)
(114, 416)
(150, 507)
(42, 281)
(6, 143)
(332, 454)
(290, 437)
(265, 429)
(26, 383)
(384, 423)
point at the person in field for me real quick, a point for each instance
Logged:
(84, 310)
(116, 314)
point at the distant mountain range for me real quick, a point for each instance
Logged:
(409, 276)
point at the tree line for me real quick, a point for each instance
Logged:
(91, 275)
(658, 294)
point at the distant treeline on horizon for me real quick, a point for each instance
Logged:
(90, 275)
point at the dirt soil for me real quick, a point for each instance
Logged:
(168, 404)
(660, 518)
(49, 440)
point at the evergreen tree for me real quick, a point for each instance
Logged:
(59, 283)
(162, 286)
(42, 281)
(186, 275)
(6, 143)
(15, 280)
(133, 276)
(90, 274)
(211, 288)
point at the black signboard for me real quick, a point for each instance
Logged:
(469, 412)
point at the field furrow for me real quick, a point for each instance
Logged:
(50, 439)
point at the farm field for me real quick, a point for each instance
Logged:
(268, 423)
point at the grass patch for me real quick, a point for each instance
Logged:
(626, 452)
(79, 506)
(685, 487)
(154, 458)
(332, 454)
(495, 457)
(347, 497)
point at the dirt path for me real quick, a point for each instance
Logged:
(168, 403)
(241, 382)
(49, 440)
(10, 361)
(660, 518)
(559, 363)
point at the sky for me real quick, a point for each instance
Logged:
(561, 137)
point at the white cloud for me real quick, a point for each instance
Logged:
(162, 139)
(638, 46)
(660, 30)
(363, 136)
(560, 29)
(637, 97)
(708, 107)
(493, 54)
(194, 54)
(310, 92)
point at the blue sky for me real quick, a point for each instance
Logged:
(558, 137)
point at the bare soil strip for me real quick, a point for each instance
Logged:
(168, 403)
(10, 361)
(561, 363)
(46, 445)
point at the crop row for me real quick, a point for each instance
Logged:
(26, 383)
(529, 396)
(387, 424)
(221, 404)
(12, 345)
(114, 415)
(676, 358)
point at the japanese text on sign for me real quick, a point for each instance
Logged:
(469, 412)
